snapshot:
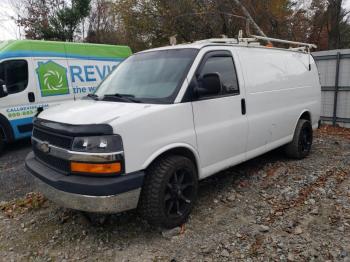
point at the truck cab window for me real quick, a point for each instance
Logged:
(15, 75)
(226, 69)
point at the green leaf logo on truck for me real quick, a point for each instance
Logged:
(53, 79)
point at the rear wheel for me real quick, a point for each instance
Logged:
(169, 191)
(300, 147)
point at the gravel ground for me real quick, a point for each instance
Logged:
(15, 182)
(268, 209)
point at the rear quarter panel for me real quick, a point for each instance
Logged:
(279, 88)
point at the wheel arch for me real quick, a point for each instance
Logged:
(176, 149)
(306, 115)
(6, 129)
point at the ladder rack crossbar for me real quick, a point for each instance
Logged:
(219, 40)
(269, 39)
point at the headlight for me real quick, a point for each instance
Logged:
(98, 144)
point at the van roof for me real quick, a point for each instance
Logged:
(38, 48)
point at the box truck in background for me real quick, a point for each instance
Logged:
(40, 74)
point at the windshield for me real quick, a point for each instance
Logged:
(149, 77)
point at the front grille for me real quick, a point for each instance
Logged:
(58, 140)
(59, 164)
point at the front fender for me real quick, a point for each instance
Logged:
(170, 147)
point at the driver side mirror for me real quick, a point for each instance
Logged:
(3, 89)
(209, 85)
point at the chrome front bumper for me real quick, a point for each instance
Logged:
(85, 193)
(95, 204)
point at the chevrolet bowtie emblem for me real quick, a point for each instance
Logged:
(44, 147)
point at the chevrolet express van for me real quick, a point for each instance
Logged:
(40, 74)
(169, 117)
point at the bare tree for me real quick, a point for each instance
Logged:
(102, 23)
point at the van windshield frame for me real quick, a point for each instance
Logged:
(153, 77)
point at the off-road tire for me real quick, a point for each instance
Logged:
(300, 147)
(159, 181)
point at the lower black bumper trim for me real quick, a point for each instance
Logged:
(92, 186)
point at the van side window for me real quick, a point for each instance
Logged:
(226, 69)
(15, 75)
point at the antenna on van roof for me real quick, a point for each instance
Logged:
(254, 39)
(250, 18)
(301, 46)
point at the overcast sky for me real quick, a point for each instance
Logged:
(9, 30)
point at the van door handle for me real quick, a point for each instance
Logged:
(243, 106)
(31, 97)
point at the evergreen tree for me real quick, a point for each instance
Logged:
(53, 19)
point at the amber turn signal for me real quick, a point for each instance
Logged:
(109, 168)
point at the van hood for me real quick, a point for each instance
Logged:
(83, 112)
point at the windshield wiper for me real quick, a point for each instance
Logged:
(123, 97)
(93, 96)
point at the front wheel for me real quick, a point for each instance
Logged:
(169, 191)
(300, 147)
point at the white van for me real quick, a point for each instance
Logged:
(39, 74)
(169, 117)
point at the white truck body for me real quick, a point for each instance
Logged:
(271, 91)
(278, 89)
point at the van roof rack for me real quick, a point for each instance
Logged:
(218, 41)
(254, 40)
(282, 41)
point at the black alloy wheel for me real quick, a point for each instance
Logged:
(300, 146)
(179, 193)
(305, 141)
(169, 191)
